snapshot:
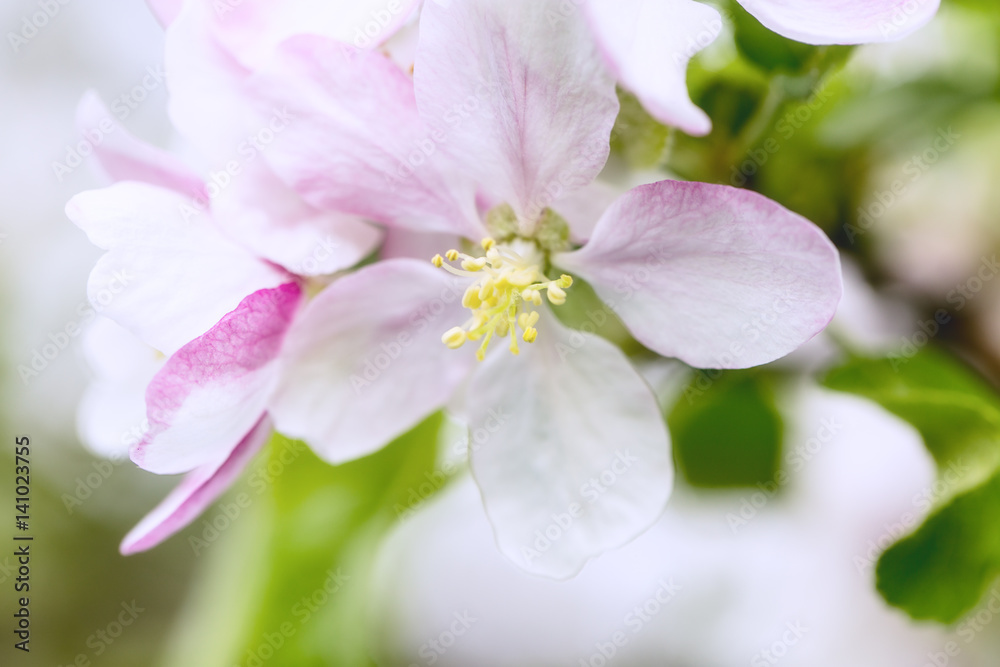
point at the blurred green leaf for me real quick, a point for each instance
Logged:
(727, 430)
(766, 49)
(637, 136)
(941, 570)
(313, 540)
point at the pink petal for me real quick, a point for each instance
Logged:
(208, 104)
(715, 276)
(169, 275)
(274, 222)
(569, 448)
(249, 201)
(252, 29)
(365, 361)
(648, 44)
(214, 389)
(199, 489)
(842, 21)
(523, 99)
(122, 157)
(356, 143)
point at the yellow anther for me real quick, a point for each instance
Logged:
(532, 295)
(556, 295)
(471, 298)
(454, 338)
(486, 289)
(522, 278)
(514, 349)
(507, 285)
(476, 264)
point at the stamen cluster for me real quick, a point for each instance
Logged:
(502, 299)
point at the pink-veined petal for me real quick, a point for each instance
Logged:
(274, 222)
(199, 489)
(214, 389)
(522, 96)
(119, 156)
(248, 200)
(648, 44)
(252, 29)
(842, 21)
(365, 361)
(355, 142)
(715, 276)
(208, 104)
(574, 456)
(169, 275)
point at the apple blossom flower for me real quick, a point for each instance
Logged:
(178, 237)
(508, 118)
(208, 315)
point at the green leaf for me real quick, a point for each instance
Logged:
(637, 136)
(727, 430)
(305, 551)
(956, 413)
(942, 569)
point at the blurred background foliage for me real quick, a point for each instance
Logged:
(845, 137)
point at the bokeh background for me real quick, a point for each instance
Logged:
(789, 490)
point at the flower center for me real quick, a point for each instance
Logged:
(508, 287)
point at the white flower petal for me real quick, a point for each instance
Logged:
(569, 448)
